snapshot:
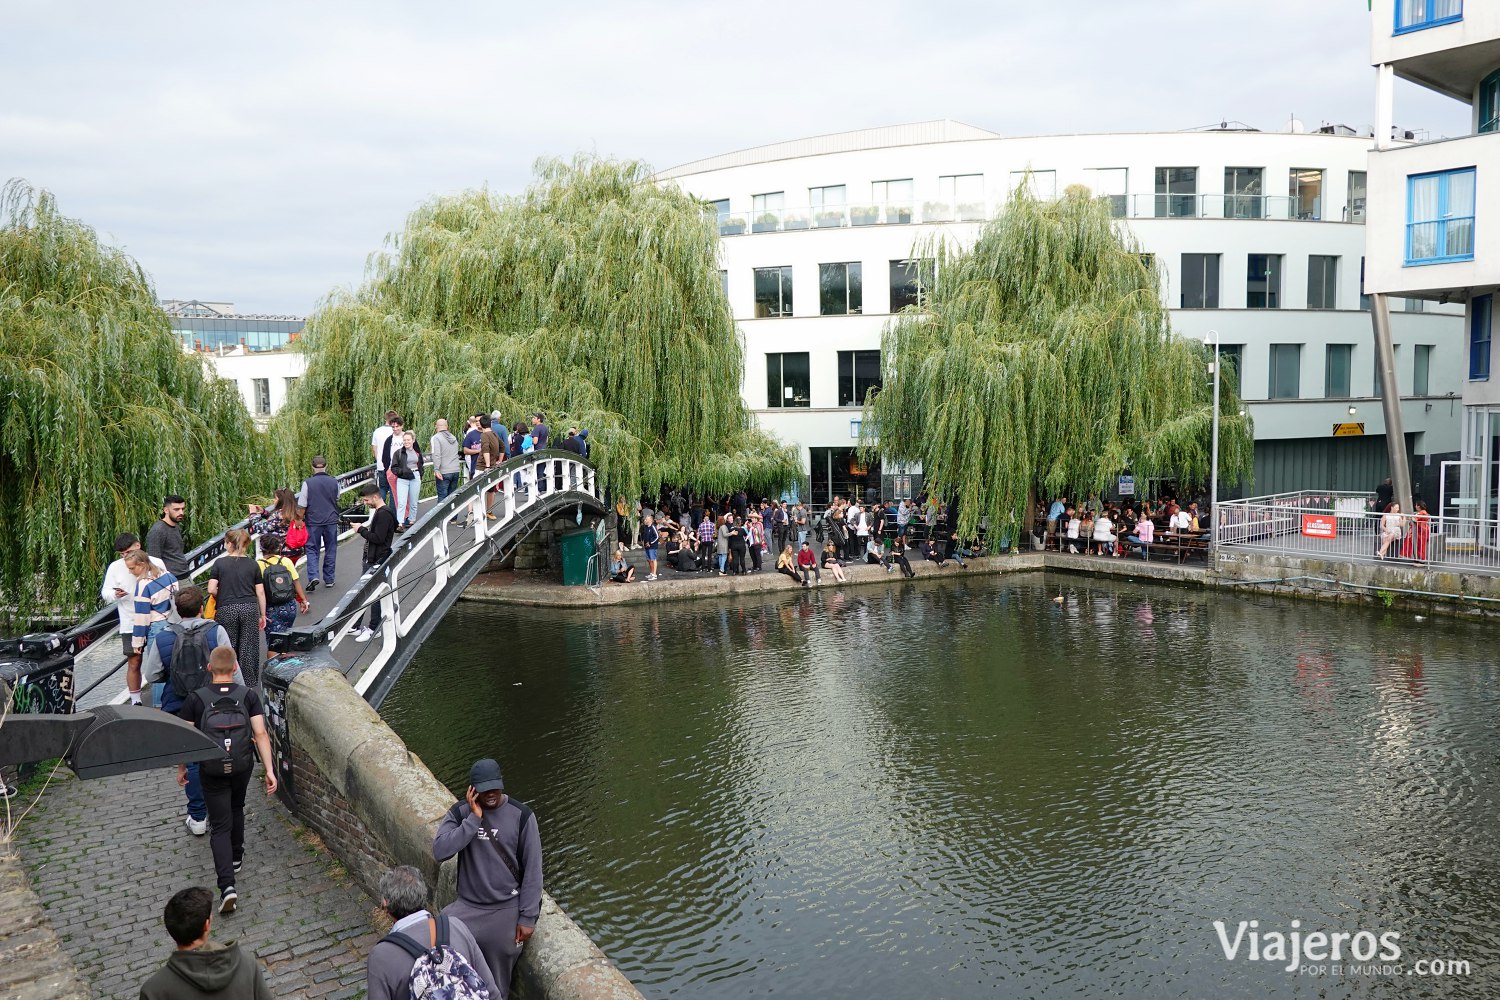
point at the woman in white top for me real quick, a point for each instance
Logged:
(1104, 535)
(1073, 525)
(1390, 529)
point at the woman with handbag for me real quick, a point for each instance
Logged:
(406, 466)
(238, 587)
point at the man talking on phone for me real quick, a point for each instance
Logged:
(499, 868)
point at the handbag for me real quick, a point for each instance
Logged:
(296, 535)
(210, 607)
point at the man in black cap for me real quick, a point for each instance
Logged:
(499, 868)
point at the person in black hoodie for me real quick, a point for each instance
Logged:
(200, 967)
(379, 532)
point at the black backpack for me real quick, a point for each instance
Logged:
(280, 588)
(226, 721)
(189, 670)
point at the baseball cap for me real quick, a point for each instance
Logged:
(319, 462)
(485, 776)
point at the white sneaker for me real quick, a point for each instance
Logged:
(354, 627)
(650, 576)
(364, 634)
(197, 827)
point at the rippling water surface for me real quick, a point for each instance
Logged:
(971, 790)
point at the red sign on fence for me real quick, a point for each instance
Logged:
(1320, 526)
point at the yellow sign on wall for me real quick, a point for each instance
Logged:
(1348, 430)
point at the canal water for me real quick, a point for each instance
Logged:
(971, 789)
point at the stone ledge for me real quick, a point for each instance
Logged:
(34, 966)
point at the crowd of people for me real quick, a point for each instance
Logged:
(1115, 530)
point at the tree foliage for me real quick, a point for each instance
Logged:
(101, 412)
(1044, 364)
(594, 297)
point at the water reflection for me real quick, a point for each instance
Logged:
(975, 790)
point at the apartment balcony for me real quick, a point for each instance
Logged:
(1428, 243)
(1444, 45)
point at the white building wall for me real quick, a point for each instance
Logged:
(278, 368)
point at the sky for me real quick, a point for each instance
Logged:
(259, 153)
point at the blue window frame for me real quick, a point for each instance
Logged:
(1489, 103)
(1440, 217)
(1414, 15)
(1481, 326)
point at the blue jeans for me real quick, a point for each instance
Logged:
(446, 485)
(1144, 546)
(197, 807)
(383, 482)
(322, 538)
(407, 492)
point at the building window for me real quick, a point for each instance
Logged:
(1263, 281)
(1489, 103)
(1364, 300)
(787, 380)
(773, 292)
(766, 210)
(1200, 281)
(1340, 363)
(724, 283)
(1286, 371)
(1414, 15)
(291, 383)
(1421, 369)
(1354, 207)
(859, 372)
(1176, 192)
(1306, 189)
(721, 209)
(1231, 357)
(1440, 217)
(964, 194)
(1481, 324)
(262, 389)
(827, 205)
(1112, 183)
(894, 198)
(1244, 188)
(1322, 282)
(1041, 184)
(840, 289)
(910, 282)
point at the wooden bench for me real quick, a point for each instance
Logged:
(1181, 545)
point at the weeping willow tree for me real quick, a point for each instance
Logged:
(101, 412)
(1045, 364)
(595, 297)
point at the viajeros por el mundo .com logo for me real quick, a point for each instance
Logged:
(1328, 953)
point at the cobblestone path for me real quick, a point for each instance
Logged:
(105, 856)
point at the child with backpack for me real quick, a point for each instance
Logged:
(284, 596)
(233, 716)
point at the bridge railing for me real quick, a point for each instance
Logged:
(433, 560)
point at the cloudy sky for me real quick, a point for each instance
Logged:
(257, 153)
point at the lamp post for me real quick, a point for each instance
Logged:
(1213, 485)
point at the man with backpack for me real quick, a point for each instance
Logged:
(401, 964)
(499, 856)
(176, 664)
(233, 716)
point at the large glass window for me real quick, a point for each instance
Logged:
(1354, 208)
(787, 380)
(262, 388)
(1481, 324)
(859, 372)
(894, 198)
(773, 291)
(1306, 188)
(1414, 15)
(1286, 371)
(1176, 192)
(1489, 103)
(1340, 362)
(1112, 183)
(910, 281)
(965, 193)
(1322, 282)
(1231, 357)
(1440, 217)
(840, 289)
(766, 210)
(827, 204)
(1243, 190)
(1421, 369)
(1200, 281)
(1042, 184)
(1263, 281)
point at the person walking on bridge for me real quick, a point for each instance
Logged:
(443, 449)
(319, 497)
(499, 855)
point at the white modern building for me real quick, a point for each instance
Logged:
(252, 350)
(1434, 224)
(1258, 235)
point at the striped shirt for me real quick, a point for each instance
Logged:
(153, 603)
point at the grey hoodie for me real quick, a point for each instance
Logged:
(212, 970)
(443, 451)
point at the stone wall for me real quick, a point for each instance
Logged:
(33, 965)
(1394, 584)
(375, 805)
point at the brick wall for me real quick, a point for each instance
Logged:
(319, 805)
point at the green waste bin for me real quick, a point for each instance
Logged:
(577, 547)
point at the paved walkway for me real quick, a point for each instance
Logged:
(105, 856)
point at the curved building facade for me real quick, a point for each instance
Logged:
(1258, 236)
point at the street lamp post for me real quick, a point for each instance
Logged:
(1213, 484)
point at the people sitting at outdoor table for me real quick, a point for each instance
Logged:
(1104, 535)
(1145, 530)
